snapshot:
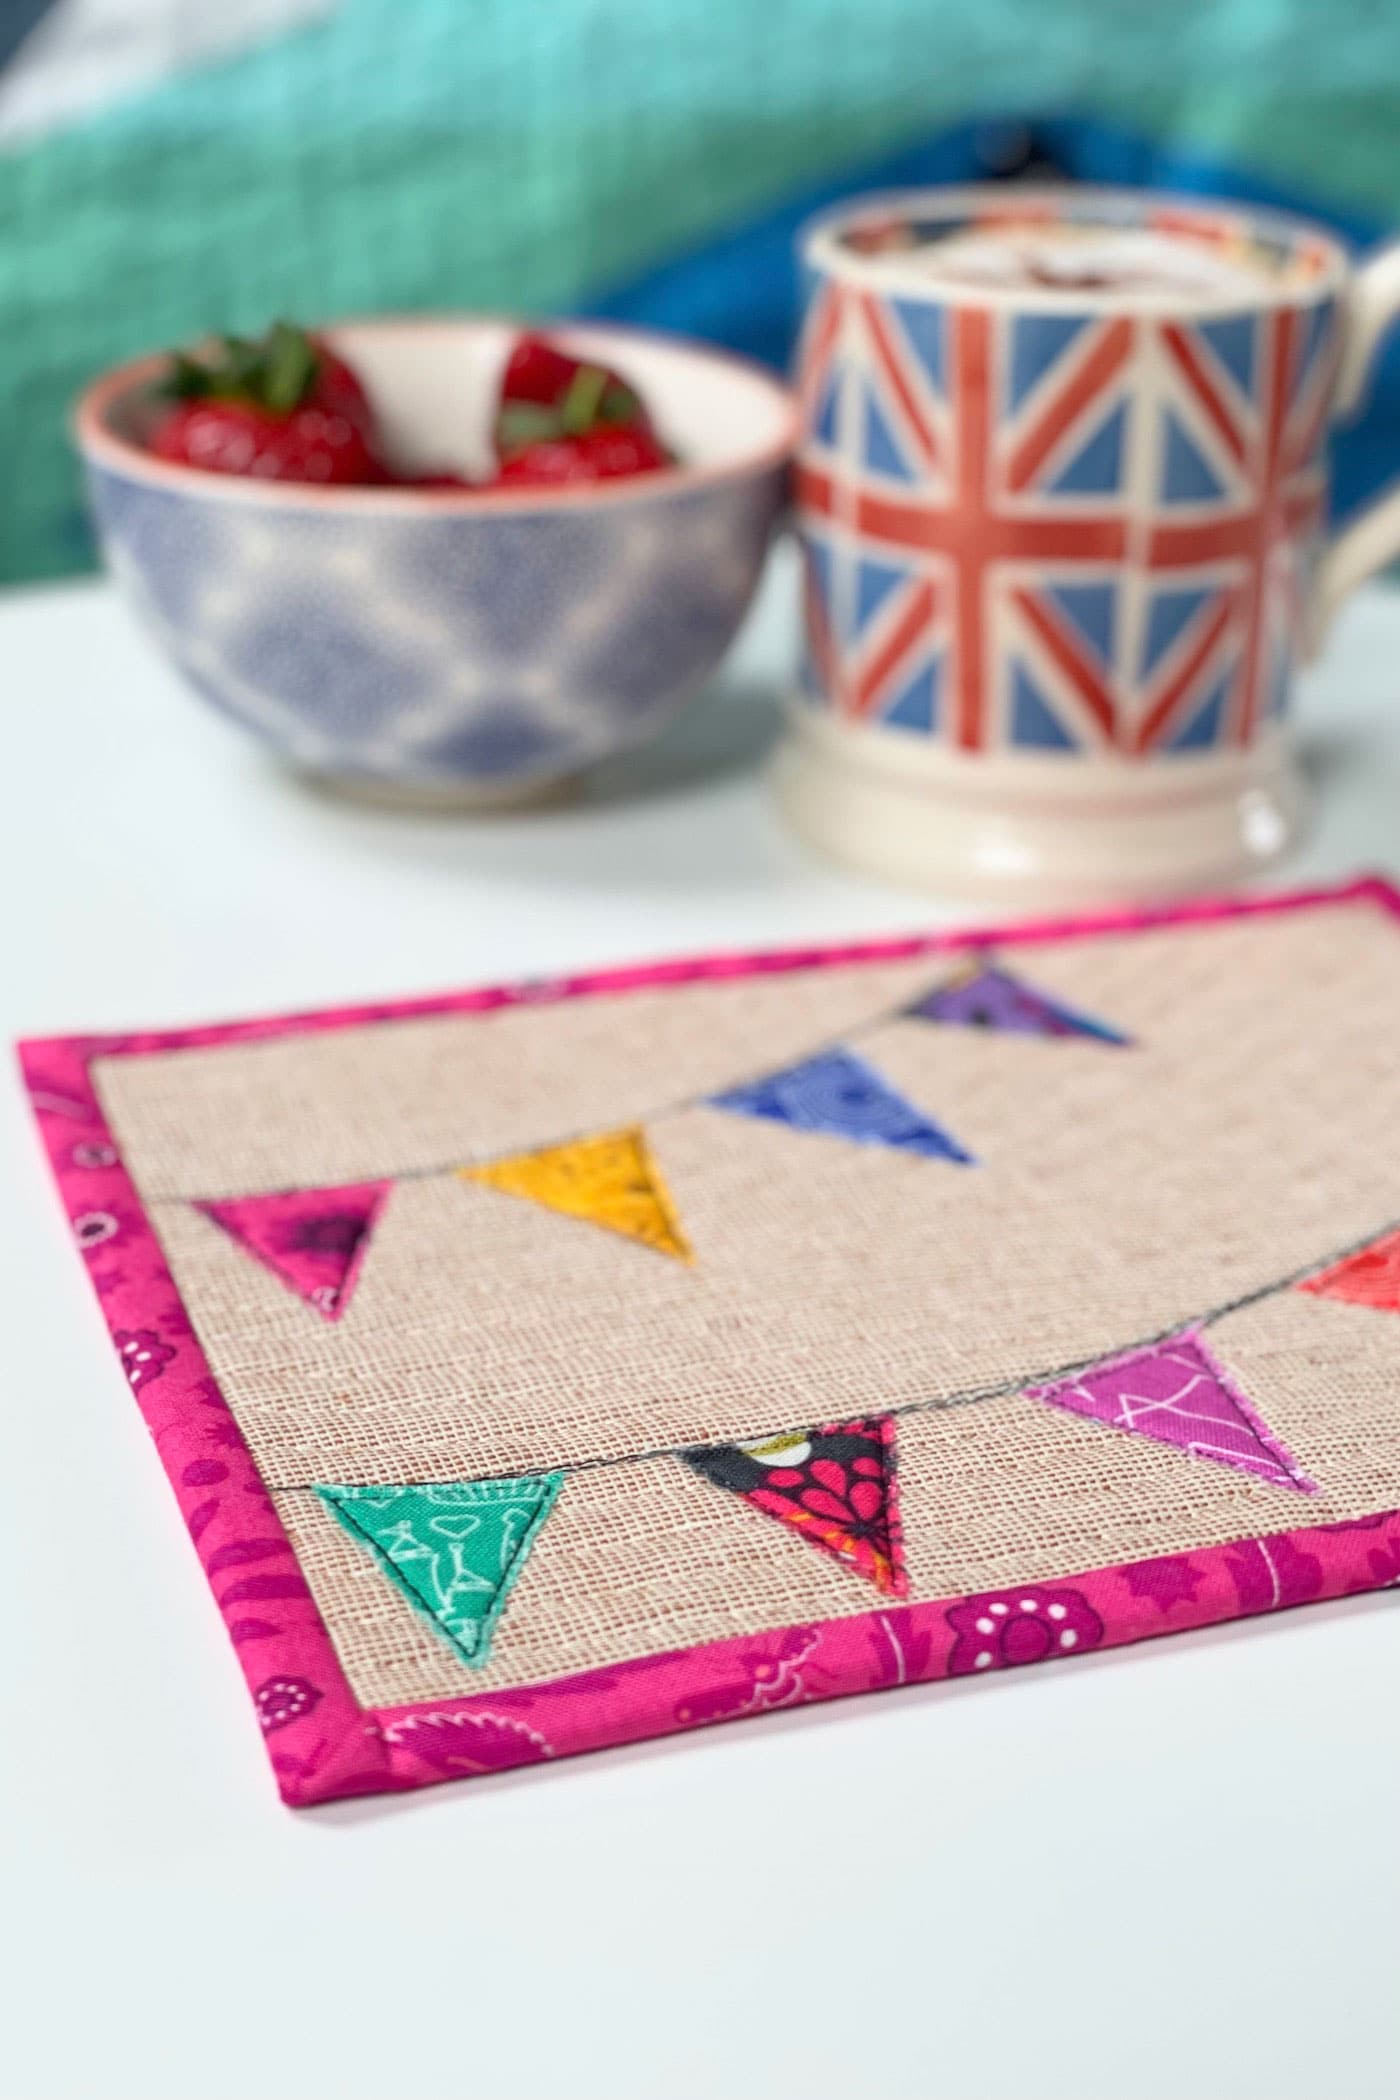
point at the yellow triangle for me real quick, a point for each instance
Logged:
(610, 1180)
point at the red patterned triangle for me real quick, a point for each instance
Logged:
(835, 1485)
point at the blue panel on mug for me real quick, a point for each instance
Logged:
(1317, 323)
(1096, 469)
(1036, 341)
(1032, 720)
(874, 582)
(826, 421)
(916, 707)
(882, 454)
(1091, 609)
(923, 329)
(1171, 613)
(1186, 477)
(1234, 343)
(1202, 730)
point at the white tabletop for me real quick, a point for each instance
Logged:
(1168, 1871)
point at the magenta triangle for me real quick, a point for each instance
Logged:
(1177, 1393)
(313, 1240)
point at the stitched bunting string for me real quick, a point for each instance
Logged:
(835, 1486)
(612, 1181)
(1370, 1276)
(455, 1548)
(313, 1240)
(984, 996)
(1177, 1393)
(838, 1094)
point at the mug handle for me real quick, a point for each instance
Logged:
(1371, 540)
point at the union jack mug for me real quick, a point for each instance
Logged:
(1061, 495)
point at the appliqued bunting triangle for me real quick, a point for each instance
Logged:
(1178, 1394)
(455, 1548)
(985, 996)
(1370, 1276)
(611, 1180)
(839, 1095)
(835, 1486)
(313, 1240)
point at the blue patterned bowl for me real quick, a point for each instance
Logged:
(452, 646)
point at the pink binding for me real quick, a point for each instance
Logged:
(323, 1745)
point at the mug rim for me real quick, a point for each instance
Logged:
(821, 249)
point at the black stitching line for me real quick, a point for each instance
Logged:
(971, 1396)
(862, 1029)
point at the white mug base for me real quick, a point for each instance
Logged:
(1036, 830)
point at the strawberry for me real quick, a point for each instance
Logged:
(282, 409)
(547, 395)
(604, 453)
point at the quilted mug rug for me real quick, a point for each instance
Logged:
(550, 1366)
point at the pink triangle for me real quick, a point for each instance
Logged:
(1177, 1393)
(313, 1240)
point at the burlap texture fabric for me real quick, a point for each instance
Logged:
(1247, 1134)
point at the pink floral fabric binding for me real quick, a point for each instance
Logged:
(323, 1745)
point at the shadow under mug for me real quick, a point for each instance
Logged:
(1064, 546)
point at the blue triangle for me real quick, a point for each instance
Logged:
(1234, 343)
(1171, 613)
(917, 705)
(882, 455)
(923, 329)
(1036, 341)
(1032, 722)
(1091, 610)
(824, 423)
(1096, 469)
(1202, 731)
(874, 582)
(837, 1094)
(1186, 478)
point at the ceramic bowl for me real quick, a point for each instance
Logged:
(457, 647)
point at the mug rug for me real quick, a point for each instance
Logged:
(549, 1366)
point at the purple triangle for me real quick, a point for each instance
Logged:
(1178, 1394)
(313, 1240)
(988, 997)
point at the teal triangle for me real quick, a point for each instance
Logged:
(1201, 732)
(1186, 477)
(1032, 723)
(455, 1548)
(1233, 343)
(882, 454)
(1097, 467)
(916, 706)
(1091, 610)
